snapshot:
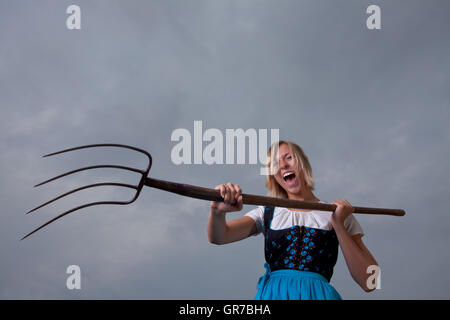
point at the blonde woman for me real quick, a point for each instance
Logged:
(301, 246)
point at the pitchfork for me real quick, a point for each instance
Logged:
(179, 188)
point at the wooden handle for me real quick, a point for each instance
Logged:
(214, 195)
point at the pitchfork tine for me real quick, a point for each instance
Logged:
(99, 145)
(138, 188)
(82, 188)
(78, 208)
(88, 168)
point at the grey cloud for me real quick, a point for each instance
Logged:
(370, 109)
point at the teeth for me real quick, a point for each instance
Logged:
(287, 174)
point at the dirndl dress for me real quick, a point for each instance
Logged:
(299, 263)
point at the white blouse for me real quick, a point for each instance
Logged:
(284, 218)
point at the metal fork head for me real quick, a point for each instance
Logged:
(138, 187)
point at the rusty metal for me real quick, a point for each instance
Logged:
(137, 187)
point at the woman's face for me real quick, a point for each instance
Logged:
(288, 175)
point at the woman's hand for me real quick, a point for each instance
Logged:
(343, 210)
(232, 199)
(219, 230)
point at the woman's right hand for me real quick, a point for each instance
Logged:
(232, 199)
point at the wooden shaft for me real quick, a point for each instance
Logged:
(214, 195)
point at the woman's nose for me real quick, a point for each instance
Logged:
(283, 164)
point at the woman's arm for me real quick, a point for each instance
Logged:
(219, 230)
(356, 255)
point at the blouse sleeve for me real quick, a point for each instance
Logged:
(257, 215)
(352, 225)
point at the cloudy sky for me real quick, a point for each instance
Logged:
(370, 108)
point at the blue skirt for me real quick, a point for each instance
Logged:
(289, 284)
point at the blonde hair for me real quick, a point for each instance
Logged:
(303, 165)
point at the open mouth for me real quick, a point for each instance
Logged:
(289, 178)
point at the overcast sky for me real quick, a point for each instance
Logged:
(369, 107)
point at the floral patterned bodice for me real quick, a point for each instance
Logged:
(300, 248)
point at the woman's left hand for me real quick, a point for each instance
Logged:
(343, 210)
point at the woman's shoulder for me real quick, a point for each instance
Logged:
(257, 212)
